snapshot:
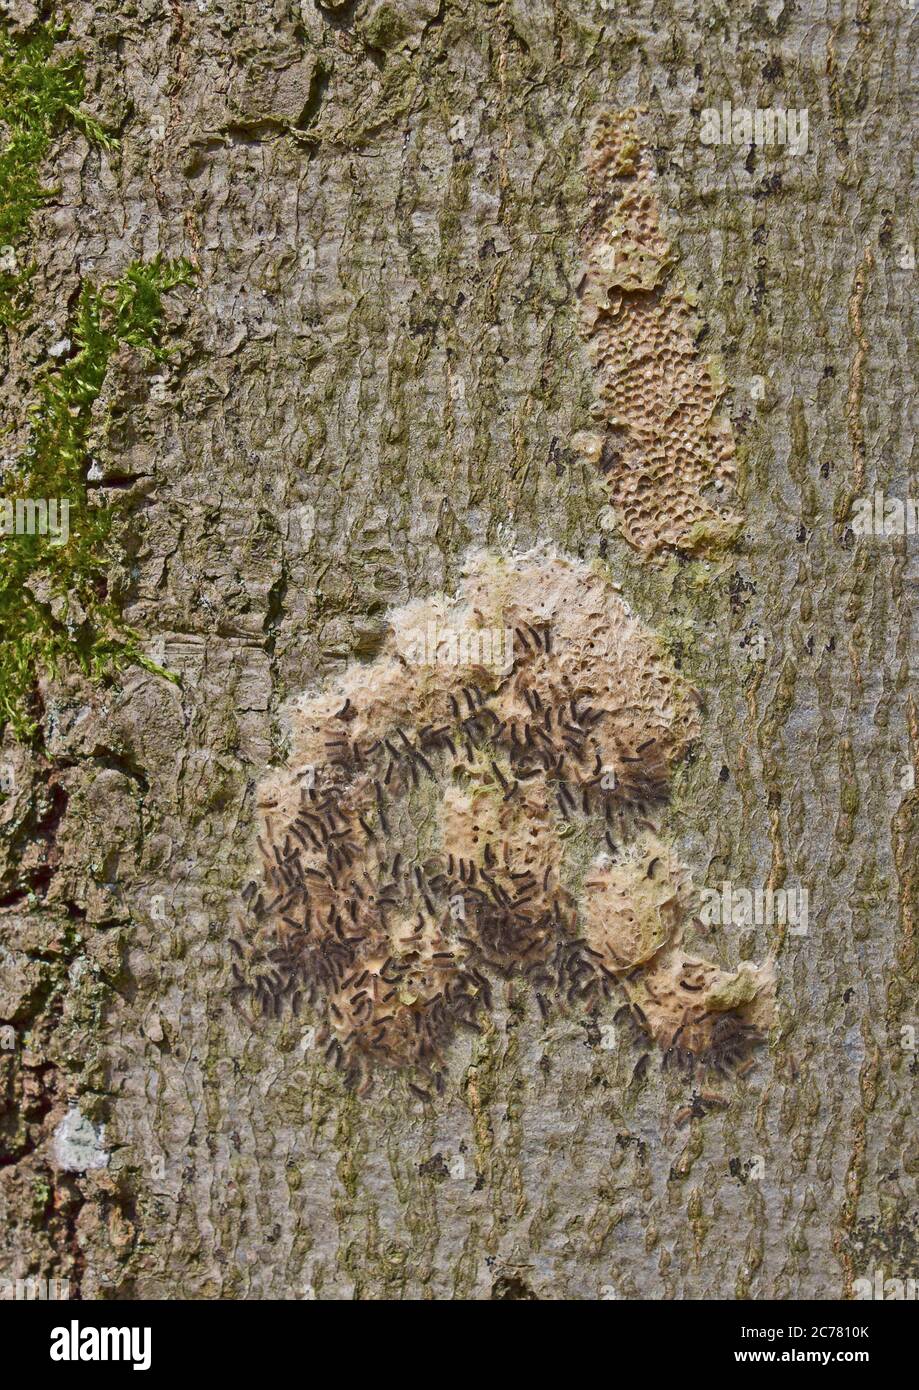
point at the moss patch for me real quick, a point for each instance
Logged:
(37, 97)
(53, 592)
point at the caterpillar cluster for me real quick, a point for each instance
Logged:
(392, 932)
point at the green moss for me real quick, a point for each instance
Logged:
(52, 586)
(53, 598)
(714, 537)
(41, 1197)
(386, 28)
(37, 97)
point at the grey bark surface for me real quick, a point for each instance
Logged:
(378, 366)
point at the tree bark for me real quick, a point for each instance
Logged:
(380, 364)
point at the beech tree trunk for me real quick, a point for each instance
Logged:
(379, 365)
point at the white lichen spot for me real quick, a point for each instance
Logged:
(78, 1145)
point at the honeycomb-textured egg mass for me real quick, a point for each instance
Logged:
(660, 440)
